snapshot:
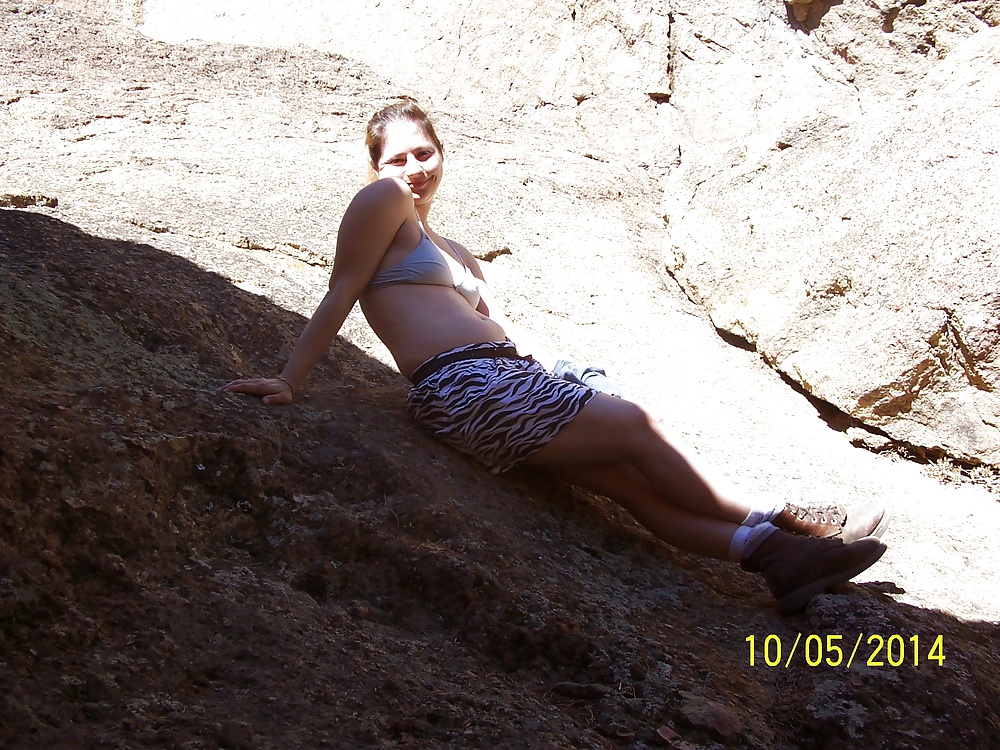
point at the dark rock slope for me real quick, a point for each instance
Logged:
(182, 568)
(188, 569)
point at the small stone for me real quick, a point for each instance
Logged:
(711, 715)
(668, 734)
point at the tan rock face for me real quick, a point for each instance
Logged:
(829, 171)
(860, 256)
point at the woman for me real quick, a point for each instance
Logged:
(426, 299)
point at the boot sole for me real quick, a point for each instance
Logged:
(883, 524)
(802, 596)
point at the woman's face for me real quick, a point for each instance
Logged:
(410, 155)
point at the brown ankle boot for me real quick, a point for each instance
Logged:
(825, 521)
(797, 568)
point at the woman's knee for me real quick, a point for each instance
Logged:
(637, 423)
(645, 441)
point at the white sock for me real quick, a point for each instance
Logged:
(763, 512)
(749, 538)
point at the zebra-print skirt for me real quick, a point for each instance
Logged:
(496, 409)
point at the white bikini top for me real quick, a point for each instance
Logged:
(429, 264)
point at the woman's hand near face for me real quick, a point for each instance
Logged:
(269, 390)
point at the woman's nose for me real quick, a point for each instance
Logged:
(413, 166)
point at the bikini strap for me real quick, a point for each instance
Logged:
(457, 253)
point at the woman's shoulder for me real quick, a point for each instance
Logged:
(384, 204)
(388, 193)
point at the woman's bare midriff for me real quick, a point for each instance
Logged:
(419, 321)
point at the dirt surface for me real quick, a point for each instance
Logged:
(181, 568)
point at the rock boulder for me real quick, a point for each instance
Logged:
(860, 255)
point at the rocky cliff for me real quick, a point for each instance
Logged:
(828, 169)
(184, 568)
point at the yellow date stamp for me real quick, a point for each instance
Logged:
(833, 650)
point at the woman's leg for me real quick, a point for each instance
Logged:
(609, 430)
(691, 532)
(612, 447)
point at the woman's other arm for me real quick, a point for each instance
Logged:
(366, 231)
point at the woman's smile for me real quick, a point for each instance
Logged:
(411, 155)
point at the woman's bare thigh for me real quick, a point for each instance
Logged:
(607, 429)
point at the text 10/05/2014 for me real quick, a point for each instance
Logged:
(833, 650)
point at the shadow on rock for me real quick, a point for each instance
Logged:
(181, 567)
